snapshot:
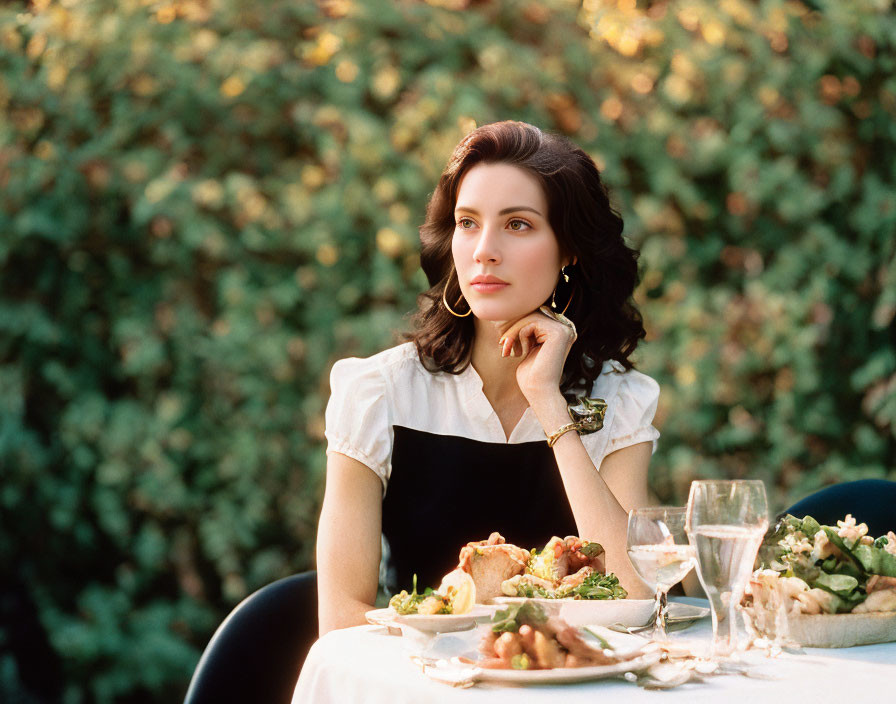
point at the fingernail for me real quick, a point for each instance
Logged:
(512, 352)
(501, 341)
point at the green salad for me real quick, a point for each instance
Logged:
(542, 563)
(580, 563)
(840, 560)
(594, 586)
(406, 603)
(509, 619)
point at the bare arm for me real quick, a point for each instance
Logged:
(348, 543)
(625, 472)
(629, 485)
(600, 501)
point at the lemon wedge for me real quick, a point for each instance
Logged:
(464, 591)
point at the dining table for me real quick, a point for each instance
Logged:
(373, 664)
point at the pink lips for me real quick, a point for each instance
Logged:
(488, 284)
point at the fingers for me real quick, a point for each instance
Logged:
(511, 346)
(524, 335)
(528, 339)
(520, 342)
(506, 344)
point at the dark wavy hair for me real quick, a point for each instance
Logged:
(587, 228)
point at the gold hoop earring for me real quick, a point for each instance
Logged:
(554, 295)
(445, 301)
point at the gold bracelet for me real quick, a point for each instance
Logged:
(560, 432)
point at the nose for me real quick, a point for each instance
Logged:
(487, 248)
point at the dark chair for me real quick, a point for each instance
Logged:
(257, 652)
(870, 501)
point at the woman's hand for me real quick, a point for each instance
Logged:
(544, 344)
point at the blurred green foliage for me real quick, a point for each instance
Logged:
(204, 203)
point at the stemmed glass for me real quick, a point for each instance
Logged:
(659, 551)
(726, 521)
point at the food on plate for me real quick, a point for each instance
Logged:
(490, 562)
(584, 584)
(524, 637)
(455, 595)
(565, 556)
(816, 569)
(464, 594)
(566, 568)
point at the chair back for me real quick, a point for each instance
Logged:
(870, 501)
(258, 651)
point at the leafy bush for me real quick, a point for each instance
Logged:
(204, 204)
(755, 149)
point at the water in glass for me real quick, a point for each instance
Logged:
(726, 521)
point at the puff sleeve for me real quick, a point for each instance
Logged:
(358, 421)
(636, 401)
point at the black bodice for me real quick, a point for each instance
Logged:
(445, 491)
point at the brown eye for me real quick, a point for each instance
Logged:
(518, 225)
(465, 223)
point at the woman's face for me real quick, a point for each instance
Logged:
(507, 257)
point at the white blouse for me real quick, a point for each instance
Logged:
(370, 396)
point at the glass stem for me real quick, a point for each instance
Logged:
(660, 611)
(724, 625)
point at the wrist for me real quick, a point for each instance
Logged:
(548, 403)
(551, 410)
(558, 418)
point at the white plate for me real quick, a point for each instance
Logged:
(606, 612)
(437, 623)
(456, 673)
(592, 612)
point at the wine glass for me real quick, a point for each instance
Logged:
(726, 521)
(659, 551)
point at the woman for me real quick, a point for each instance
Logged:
(441, 440)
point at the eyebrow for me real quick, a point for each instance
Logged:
(506, 211)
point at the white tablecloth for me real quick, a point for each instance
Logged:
(366, 664)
